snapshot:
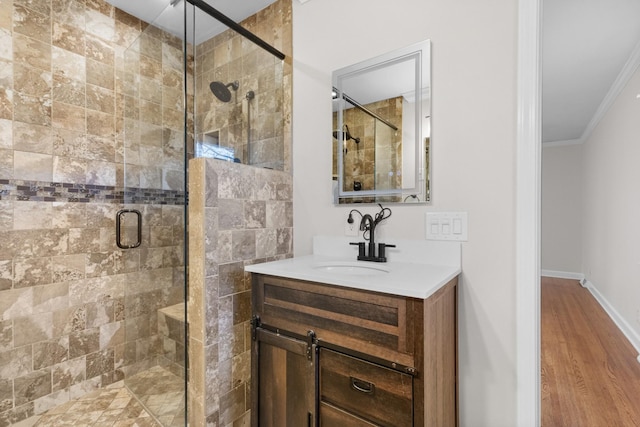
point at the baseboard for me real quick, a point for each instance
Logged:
(632, 335)
(562, 274)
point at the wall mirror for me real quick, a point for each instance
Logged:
(382, 128)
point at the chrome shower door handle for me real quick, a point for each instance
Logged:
(119, 217)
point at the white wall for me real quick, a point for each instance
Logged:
(473, 143)
(611, 205)
(561, 228)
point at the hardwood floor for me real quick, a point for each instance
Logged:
(590, 375)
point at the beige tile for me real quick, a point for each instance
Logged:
(41, 7)
(101, 6)
(16, 362)
(32, 166)
(150, 90)
(172, 78)
(84, 342)
(102, 125)
(32, 329)
(6, 8)
(69, 169)
(100, 74)
(150, 68)
(68, 267)
(150, 112)
(50, 298)
(70, 12)
(111, 334)
(99, 24)
(32, 138)
(6, 103)
(126, 19)
(32, 109)
(100, 99)
(32, 23)
(32, 81)
(48, 242)
(67, 64)
(49, 353)
(6, 282)
(68, 37)
(33, 52)
(68, 91)
(66, 374)
(266, 243)
(32, 386)
(95, 289)
(31, 272)
(6, 133)
(68, 116)
(172, 58)
(69, 143)
(6, 45)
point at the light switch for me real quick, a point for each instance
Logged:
(446, 226)
(435, 227)
(457, 226)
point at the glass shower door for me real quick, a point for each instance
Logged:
(152, 223)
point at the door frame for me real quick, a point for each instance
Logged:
(528, 172)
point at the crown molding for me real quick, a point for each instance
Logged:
(623, 78)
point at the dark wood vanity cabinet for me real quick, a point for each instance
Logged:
(331, 356)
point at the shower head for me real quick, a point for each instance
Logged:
(221, 90)
(346, 135)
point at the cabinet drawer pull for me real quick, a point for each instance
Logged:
(362, 386)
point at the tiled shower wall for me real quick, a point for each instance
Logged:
(238, 215)
(76, 312)
(259, 130)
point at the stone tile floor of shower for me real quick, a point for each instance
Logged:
(158, 392)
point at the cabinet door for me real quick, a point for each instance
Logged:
(284, 382)
(354, 392)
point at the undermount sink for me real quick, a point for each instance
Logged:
(351, 268)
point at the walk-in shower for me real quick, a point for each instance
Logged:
(82, 312)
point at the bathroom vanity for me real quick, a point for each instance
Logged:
(345, 343)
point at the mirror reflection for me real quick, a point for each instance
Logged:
(381, 127)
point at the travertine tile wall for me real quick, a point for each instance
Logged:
(372, 160)
(237, 215)
(76, 312)
(266, 119)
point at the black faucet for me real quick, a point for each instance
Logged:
(372, 233)
(368, 223)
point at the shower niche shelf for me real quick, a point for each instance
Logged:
(210, 147)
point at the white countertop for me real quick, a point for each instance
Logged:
(414, 269)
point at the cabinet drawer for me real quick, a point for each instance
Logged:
(379, 325)
(381, 396)
(330, 416)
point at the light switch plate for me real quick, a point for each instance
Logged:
(446, 226)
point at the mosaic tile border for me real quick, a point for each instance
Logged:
(39, 191)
